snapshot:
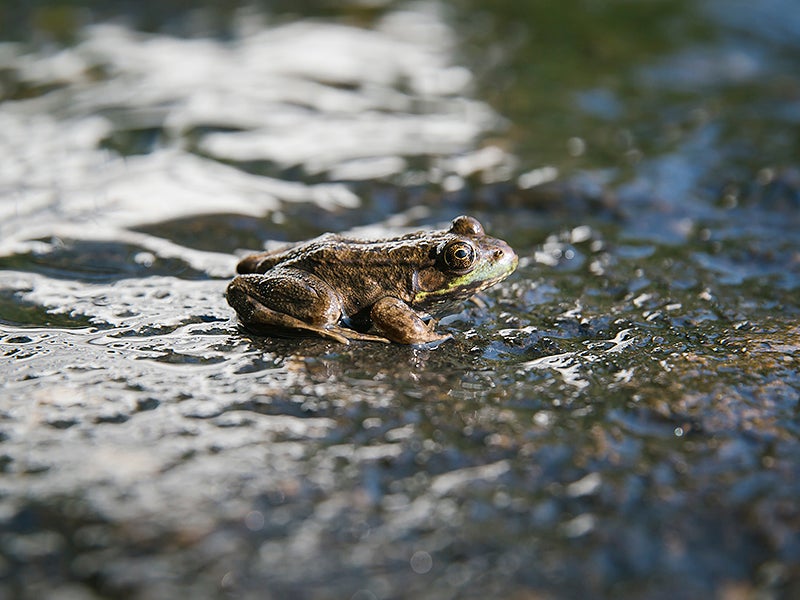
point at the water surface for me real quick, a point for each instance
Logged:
(619, 418)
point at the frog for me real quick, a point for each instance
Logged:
(385, 290)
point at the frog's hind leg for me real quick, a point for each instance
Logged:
(264, 320)
(286, 303)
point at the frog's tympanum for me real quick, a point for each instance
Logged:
(385, 290)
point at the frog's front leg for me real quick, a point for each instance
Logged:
(400, 323)
(286, 302)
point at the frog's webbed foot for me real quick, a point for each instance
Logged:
(399, 323)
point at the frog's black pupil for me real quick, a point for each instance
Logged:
(459, 256)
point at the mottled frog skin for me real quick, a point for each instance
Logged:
(381, 290)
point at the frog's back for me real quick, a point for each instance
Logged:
(264, 261)
(363, 271)
(359, 271)
(330, 248)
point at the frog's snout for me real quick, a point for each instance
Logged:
(504, 255)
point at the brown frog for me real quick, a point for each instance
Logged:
(341, 288)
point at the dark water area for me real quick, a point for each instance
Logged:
(620, 418)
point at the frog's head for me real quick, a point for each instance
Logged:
(466, 261)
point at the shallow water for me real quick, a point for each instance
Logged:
(620, 418)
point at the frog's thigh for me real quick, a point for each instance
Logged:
(285, 300)
(398, 322)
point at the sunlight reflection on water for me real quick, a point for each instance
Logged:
(328, 98)
(572, 365)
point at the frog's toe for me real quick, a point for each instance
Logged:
(330, 334)
(352, 334)
(433, 343)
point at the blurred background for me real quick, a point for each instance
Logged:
(439, 97)
(617, 419)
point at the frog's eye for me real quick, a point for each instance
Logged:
(459, 256)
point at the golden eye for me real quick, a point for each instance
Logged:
(459, 256)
